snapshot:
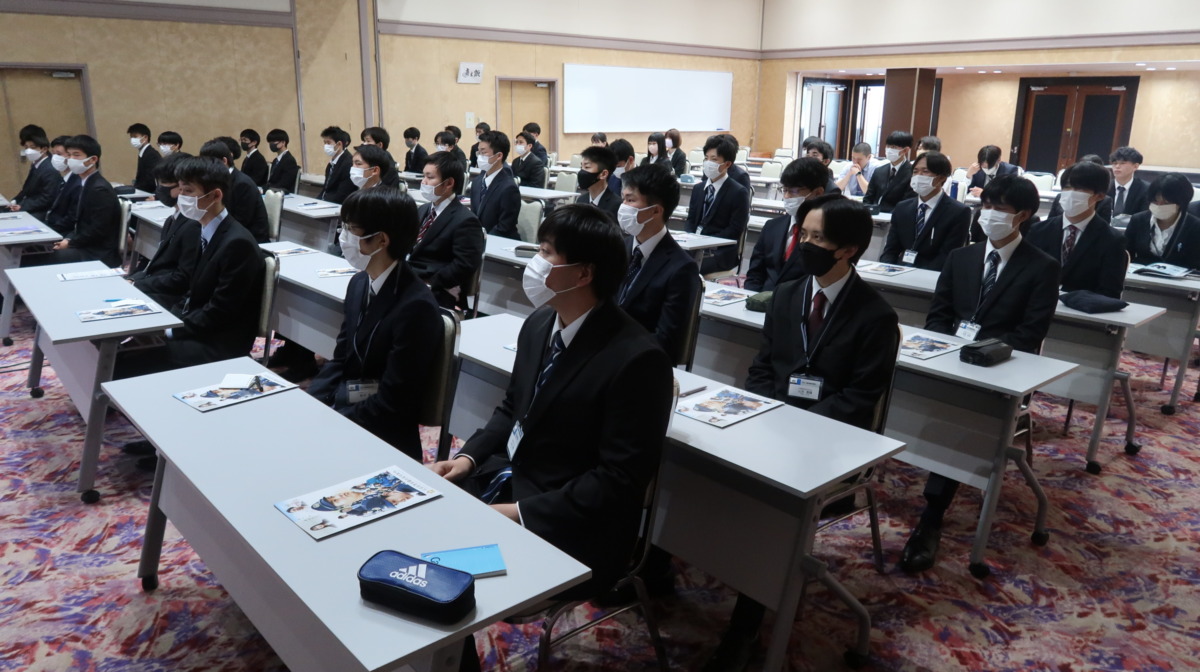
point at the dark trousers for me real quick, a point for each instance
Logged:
(939, 492)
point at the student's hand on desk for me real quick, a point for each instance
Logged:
(976, 191)
(14, 206)
(63, 244)
(452, 470)
(509, 510)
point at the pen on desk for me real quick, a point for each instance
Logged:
(691, 392)
(305, 205)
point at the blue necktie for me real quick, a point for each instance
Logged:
(921, 219)
(634, 267)
(989, 278)
(710, 195)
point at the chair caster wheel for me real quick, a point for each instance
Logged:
(8, 341)
(979, 570)
(1040, 538)
(1168, 409)
(37, 392)
(1132, 448)
(90, 497)
(1093, 467)
(855, 660)
(149, 584)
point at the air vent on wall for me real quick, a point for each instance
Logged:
(62, 74)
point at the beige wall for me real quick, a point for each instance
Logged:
(331, 74)
(33, 96)
(419, 87)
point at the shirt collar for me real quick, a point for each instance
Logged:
(716, 185)
(487, 179)
(377, 283)
(41, 160)
(1006, 252)
(251, 152)
(1081, 225)
(568, 332)
(596, 201)
(652, 242)
(207, 231)
(1128, 184)
(282, 153)
(933, 202)
(142, 149)
(441, 207)
(831, 292)
(336, 157)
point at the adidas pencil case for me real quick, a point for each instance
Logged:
(414, 586)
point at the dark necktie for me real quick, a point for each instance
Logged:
(1119, 208)
(993, 271)
(921, 212)
(710, 195)
(427, 223)
(203, 245)
(634, 266)
(816, 316)
(483, 193)
(556, 348)
(1069, 243)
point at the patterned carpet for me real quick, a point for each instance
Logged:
(1117, 588)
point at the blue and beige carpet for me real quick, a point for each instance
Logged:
(1117, 588)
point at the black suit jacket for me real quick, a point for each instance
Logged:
(61, 215)
(738, 174)
(1104, 209)
(661, 158)
(946, 229)
(888, 191)
(1194, 209)
(855, 358)
(40, 189)
(530, 169)
(766, 261)
(461, 156)
(337, 180)
(660, 297)
(592, 437)
(167, 277)
(539, 150)
(284, 170)
(392, 339)
(246, 205)
(980, 177)
(609, 203)
(1137, 200)
(147, 160)
(1182, 249)
(1096, 264)
(450, 252)
(498, 212)
(97, 223)
(727, 218)
(414, 159)
(255, 167)
(1020, 306)
(678, 161)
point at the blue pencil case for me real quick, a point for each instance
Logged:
(411, 585)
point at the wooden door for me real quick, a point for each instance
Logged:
(1063, 123)
(521, 102)
(30, 96)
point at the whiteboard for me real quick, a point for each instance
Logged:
(622, 100)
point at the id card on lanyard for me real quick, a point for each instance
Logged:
(802, 385)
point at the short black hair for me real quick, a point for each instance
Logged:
(216, 149)
(376, 157)
(622, 149)
(384, 209)
(899, 139)
(989, 155)
(455, 130)
(1094, 158)
(251, 135)
(60, 141)
(600, 137)
(449, 167)
(412, 133)
(498, 142)
(532, 127)
(655, 181)
(805, 172)
(336, 134)
(527, 137)
(165, 170)
(601, 156)
(731, 138)
(483, 126)
(170, 138)
(861, 148)
(808, 142)
(936, 163)
(37, 141)
(376, 133)
(138, 129)
(844, 222)
(85, 143)
(235, 147)
(931, 142)
(726, 148)
(824, 148)
(29, 130)
(445, 138)
(660, 140)
(205, 171)
(1126, 154)
(278, 135)
(1087, 175)
(1018, 192)
(1174, 188)
(584, 234)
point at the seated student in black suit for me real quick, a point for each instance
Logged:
(802, 180)
(169, 142)
(447, 141)
(829, 346)
(656, 150)
(1194, 209)
(1091, 252)
(988, 167)
(93, 217)
(284, 169)
(819, 149)
(495, 198)
(480, 128)
(599, 139)
(675, 152)
(1166, 232)
(526, 166)
(391, 330)
(596, 166)
(169, 274)
(375, 135)
(719, 206)
(60, 216)
(42, 182)
(587, 377)
(414, 158)
(1104, 209)
(1004, 288)
(242, 198)
(662, 281)
(925, 229)
(148, 157)
(369, 165)
(337, 174)
(254, 165)
(537, 148)
(890, 183)
(1130, 195)
(623, 152)
(450, 242)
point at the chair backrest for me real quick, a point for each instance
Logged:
(528, 220)
(959, 175)
(438, 399)
(837, 167)
(638, 158)
(1058, 179)
(567, 182)
(696, 156)
(545, 178)
(122, 230)
(551, 158)
(296, 186)
(771, 169)
(576, 161)
(687, 167)
(785, 153)
(741, 248)
(879, 420)
(273, 199)
(270, 279)
(742, 155)
(687, 351)
(1044, 181)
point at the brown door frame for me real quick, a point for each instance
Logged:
(85, 84)
(552, 132)
(844, 114)
(1092, 85)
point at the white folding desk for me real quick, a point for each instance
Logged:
(958, 420)
(219, 474)
(551, 195)
(730, 336)
(82, 353)
(1171, 335)
(12, 248)
(152, 215)
(308, 308)
(137, 195)
(315, 179)
(309, 221)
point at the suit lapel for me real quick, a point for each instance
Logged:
(440, 223)
(1086, 239)
(716, 202)
(1012, 269)
(591, 338)
(650, 267)
(211, 247)
(378, 307)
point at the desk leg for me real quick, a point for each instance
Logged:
(95, 422)
(445, 659)
(698, 255)
(35, 365)
(10, 299)
(156, 527)
(991, 496)
(785, 616)
(1185, 358)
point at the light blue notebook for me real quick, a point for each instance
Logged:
(479, 561)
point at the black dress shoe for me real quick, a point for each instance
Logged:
(139, 448)
(733, 654)
(920, 552)
(148, 463)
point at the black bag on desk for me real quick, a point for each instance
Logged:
(417, 587)
(124, 190)
(987, 352)
(1091, 302)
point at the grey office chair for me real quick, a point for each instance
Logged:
(273, 200)
(124, 249)
(529, 219)
(296, 186)
(266, 310)
(443, 381)
(687, 354)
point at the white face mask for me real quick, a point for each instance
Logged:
(652, 150)
(520, 149)
(792, 205)
(893, 154)
(429, 191)
(627, 217)
(357, 177)
(328, 150)
(922, 184)
(996, 225)
(670, 144)
(1167, 211)
(712, 170)
(991, 171)
(59, 162)
(189, 206)
(78, 166)
(31, 154)
(136, 142)
(349, 244)
(483, 162)
(164, 149)
(1074, 203)
(533, 281)
(442, 148)
(620, 170)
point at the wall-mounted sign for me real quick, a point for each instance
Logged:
(470, 73)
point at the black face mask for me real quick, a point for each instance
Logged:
(274, 147)
(245, 146)
(163, 195)
(816, 260)
(586, 179)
